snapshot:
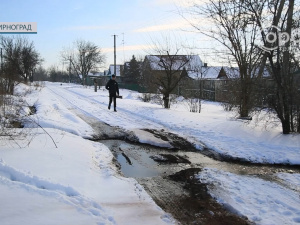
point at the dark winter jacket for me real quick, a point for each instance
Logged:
(112, 87)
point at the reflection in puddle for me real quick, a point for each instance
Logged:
(143, 166)
(132, 168)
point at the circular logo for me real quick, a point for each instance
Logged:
(271, 38)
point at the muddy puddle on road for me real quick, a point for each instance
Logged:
(131, 167)
(140, 160)
(168, 174)
(168, 177)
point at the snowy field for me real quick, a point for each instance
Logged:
(77, 182)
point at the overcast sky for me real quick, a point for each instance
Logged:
(61, 22)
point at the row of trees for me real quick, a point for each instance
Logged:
(258, 36)
(21, 62)
(19, 59)
(54, 74)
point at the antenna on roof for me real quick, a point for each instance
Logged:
(123, 43)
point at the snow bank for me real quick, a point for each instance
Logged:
(263, 202)
(76, 181)
(147, 138)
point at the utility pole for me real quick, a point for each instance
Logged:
(70, 70)
(2, 93)
(1, 61)
(115, 56)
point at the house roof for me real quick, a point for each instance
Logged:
(221, 72)
(176, 62)
(191, 63)
(215, 72)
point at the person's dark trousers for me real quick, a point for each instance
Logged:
(111, 97)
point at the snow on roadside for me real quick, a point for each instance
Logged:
(38, 182)
(45, 176)
(52, 113)
(263, 202)
(76, 181)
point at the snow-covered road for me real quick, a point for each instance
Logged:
(78, 183)
(214, 127)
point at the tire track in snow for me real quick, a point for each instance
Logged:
(107, 116)
(137, 120)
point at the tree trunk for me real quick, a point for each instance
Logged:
(286, 126)
(245, 98)
(11, 88)
(284, 87)
(244, 110)
(166, 99)
(95, 85)
(84, 80)
(298, 119)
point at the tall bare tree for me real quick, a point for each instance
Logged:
(281, 56)
(233, 27)
(87, 56)
(234, 21)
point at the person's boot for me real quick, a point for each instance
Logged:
(115, 110)
(108, 107)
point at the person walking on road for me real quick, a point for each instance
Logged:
(113, 88)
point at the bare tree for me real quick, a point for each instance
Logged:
(280, 57)
(87, 57)
(20, 56)
(233, 27)
(20, 61)
(240, 26)
(165, 68)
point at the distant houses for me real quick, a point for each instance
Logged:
(208, 82)
(213, 82)
(205, 82)
(102, 77)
